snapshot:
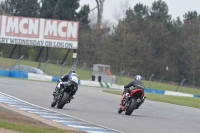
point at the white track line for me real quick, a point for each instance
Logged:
(64, 114)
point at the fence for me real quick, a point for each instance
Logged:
(54, 68)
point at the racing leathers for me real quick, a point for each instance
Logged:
(70, 77)
(135, 83)
(127, 90)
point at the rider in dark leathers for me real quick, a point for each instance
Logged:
(70, 77)
(137, 82)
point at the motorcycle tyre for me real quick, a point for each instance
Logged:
(63, 101)
(131, 107)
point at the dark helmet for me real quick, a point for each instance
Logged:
(137, 77)
(72, 71)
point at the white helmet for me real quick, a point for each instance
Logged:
(137, 77)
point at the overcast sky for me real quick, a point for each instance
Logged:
(176, 7)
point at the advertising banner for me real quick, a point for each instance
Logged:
(39, 32)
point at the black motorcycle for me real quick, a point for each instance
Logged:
(63, 96)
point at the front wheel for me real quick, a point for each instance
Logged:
(63, 101)
(131, 107)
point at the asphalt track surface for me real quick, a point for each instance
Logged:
(93, 105)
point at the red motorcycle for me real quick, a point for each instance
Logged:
(132, 101)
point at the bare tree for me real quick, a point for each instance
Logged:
(100, 12)
(119, 14)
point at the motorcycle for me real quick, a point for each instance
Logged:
(133, 101)
(62, 95)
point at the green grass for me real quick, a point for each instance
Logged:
(83, 74)
(185, 101)
(162, 86)
(29, 129)
(51, 69)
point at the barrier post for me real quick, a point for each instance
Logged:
(45, 65)
(62, 69)
(150, 80)
(1, 53)
(18, 62)
(93, 77)
(99, 78)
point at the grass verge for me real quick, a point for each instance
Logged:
(185, 101)
(28, 129)
(50, 69)
(85, 74)
(163, 86)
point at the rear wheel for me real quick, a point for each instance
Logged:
(63, 100)
(131, 107)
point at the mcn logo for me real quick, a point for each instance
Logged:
(22, 27)
(39, 29)
(61, 30)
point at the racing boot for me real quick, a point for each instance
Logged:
(72, 95)
(70, 98)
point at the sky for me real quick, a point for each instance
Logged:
(176, 7)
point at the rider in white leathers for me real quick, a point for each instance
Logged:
(70, 77)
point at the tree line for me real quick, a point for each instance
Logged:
(145, 41)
